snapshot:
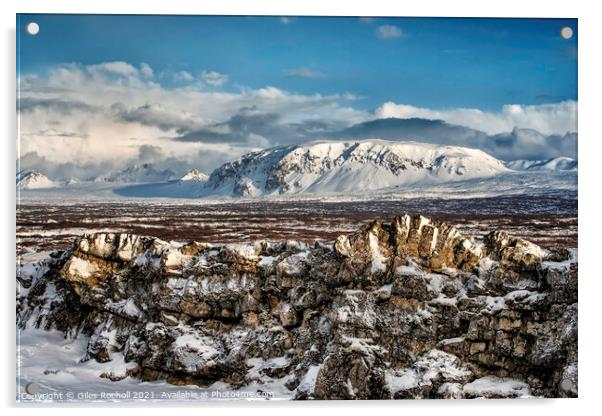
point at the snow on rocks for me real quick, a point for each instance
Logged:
(402, 310)
(492, 387)
(195, 175)
(425, 377)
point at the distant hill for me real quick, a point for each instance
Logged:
(32, 179)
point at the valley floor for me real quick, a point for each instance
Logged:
(546, 220)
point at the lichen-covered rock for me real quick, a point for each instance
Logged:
(410, 309)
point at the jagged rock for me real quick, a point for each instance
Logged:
(410, 309)
(432, 375)
(351, 373)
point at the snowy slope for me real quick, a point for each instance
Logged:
(349, 166)
(33, 180)
(344, 170)
(145, 173)
(555, 164)
(195, 175)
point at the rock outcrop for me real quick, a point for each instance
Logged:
(410, 309)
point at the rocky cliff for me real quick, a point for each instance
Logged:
(410, 309)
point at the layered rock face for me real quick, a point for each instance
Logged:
(410, 309)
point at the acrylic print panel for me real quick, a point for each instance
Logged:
(229, 208)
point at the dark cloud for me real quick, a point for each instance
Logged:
(210, 136)
(29, 104)
(240, 128)
(248, 124)
(151, 115)
(517, 144)
(418, 129)
(58, 133)
(530, 144)
(149, 154)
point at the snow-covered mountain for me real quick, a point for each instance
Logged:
(33, 179)
(338, 169)
(349, 166)
(555, 164)
(71, 182)
(195, 175)
(145, 173)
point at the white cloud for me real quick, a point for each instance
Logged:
(214, 78)
(99, 116)
(304, 73)
(118, 68)
(146, 70)
(182, 76)
(556, 118)
(388, 32)
(103, 113)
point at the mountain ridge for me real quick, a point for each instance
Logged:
(348, 166)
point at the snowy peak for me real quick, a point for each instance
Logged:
(145, 173)
(349, 166)
(33, 179)
(195, 175)
(556, 164)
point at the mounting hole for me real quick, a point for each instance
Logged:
(32, 388)
(32, 28)
(566, 32)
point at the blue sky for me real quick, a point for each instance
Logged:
(436, 63)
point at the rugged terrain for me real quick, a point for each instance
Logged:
(408, 309)
(42, 226)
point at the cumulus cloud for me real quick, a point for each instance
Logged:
(155, 115)
(101, 114)
(214, 78)
(388, 32)
(117, 68)
(556, 118)
(304, 73)
(182, 76)
(82, 120)
(146, 70)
